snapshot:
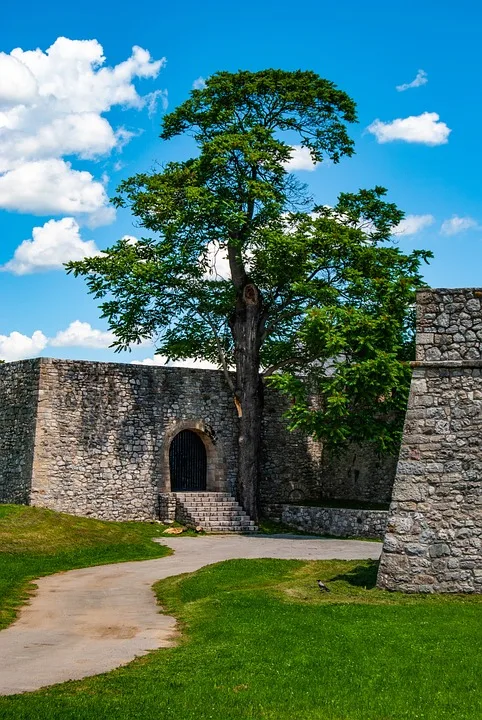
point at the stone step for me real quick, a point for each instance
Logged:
(208, 501)
(228, 523)
(235, 517)
(214, 512)
(203, 496)
(211, 508)
(208, 506)
(224, 523)
(227, 531)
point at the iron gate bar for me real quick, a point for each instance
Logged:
(187, 462)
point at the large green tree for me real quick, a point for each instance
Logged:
(300, 276)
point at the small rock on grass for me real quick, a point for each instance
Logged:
(174, 531)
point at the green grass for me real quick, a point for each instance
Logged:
(35, 542)
(261, 642)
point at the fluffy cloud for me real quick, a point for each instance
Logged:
(70, 76)
(300, 159)
(52, 105)
(51, 186)
(426, 129)
(78, 334)
(17, 84)
(84, 134)
(52, 245)
(82, 334)
(412, 224)
(18, 347)
(421, 78)
(457, 224)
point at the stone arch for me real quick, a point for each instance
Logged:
(216, 480)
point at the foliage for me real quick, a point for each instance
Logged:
(229, 200)
(355, 325)
(259, 640)
(330, 287)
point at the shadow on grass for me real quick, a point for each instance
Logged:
(364, 576)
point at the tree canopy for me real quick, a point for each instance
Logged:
(239, 265)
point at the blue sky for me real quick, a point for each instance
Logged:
(71, 128)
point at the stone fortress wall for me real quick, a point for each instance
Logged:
(434, 534)
(19, 386)
(93, 439)
(339, 522)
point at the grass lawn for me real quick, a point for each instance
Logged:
(261, 642)
(35, 542)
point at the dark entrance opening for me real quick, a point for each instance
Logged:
(187, 462)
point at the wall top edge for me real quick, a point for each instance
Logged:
(446, 290)
(104, 364)
(446, 363)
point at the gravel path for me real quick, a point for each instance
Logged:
(89, 621)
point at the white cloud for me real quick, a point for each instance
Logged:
(17, 83)
(412, 224)
(457, 224)
(53, 187)
(71, 75)
(18, 347)
(161, 360)
(82, 334)
(426, 129)
(300, 159)
(421, 78)
(130, 239)
(78, 334)
(86, 135)
(152, 100)
(52, 105)
(52, 245)
(199, 83)
(218, 263)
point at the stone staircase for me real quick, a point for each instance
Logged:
(215, 512)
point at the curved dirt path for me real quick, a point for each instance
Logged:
(85, 622)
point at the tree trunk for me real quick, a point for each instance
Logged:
(247, 331)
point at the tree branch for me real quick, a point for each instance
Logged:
(236, 266)
(278, 366)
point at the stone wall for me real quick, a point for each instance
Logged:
(296, 468)
(358, 473)
(338, 522)
(103, 430)
(291, 463)
(449, 325)
(434, 532)
(18, 405)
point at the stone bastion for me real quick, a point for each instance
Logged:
(434, 534)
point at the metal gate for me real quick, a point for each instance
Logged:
(187, 462)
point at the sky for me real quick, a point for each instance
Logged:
(83, 88)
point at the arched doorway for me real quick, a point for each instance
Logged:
(187, 462)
